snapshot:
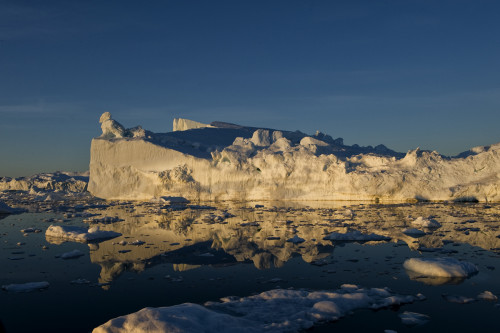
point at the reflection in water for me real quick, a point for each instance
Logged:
(191, 238)
(434, 280)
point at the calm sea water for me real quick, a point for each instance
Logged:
(198, 255)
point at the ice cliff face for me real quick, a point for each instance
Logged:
(231, 162)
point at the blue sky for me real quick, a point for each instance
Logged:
(403, 73)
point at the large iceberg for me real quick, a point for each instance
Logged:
(224, 161)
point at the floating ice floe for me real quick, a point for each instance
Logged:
(458, 299)
(275, 310)
(30, 230)
(413, 318)
(426, 223)
(79, 234)
(72, 254)
(440, 267)
(487, 296)
(353, 236)
(26, 287)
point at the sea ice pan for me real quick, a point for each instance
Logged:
(275, 310)
(79, 234)
(442, 267)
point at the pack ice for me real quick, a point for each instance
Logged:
(224, 161)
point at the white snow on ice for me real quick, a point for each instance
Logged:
(275, 310)
(440, 267)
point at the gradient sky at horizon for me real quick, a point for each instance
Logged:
(405, 74)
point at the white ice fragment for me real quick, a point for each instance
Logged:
(79, 234)
(442, 267)
(487, 296)
(26, 287)
(72, 254)
(276, 310)
(296, 240)
(426, 223)
(137, 242)
(356, 235)
(413, 318)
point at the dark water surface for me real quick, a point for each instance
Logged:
(198, 255)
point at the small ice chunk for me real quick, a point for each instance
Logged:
(72, 254)
(458, 299)
(426, 223)
(30, 230)
(26, 287)
(413, 318)
(296, 240)
(137, 242)
(443, 267)
(487, 296)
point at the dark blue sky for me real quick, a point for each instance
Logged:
(402, 73)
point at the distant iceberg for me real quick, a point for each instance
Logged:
(221, 161)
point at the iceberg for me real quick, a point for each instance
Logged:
(230, 162)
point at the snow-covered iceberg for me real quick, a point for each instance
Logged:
(275, 310)
(227, 162)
